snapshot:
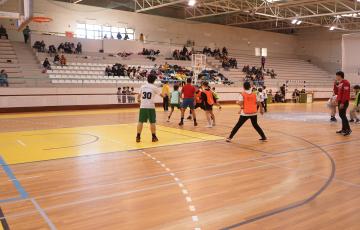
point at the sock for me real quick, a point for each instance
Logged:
(153, 135)
(194, 120)
(182, 119)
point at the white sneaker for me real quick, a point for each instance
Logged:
(208, 126)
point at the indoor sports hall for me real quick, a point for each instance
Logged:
(96, 130)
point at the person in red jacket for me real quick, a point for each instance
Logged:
(343, 99)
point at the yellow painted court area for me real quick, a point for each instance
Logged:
(38, 145)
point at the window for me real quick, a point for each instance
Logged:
(92, 31)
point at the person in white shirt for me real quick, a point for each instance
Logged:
(146, 98)
(262, 99)
(265, 97)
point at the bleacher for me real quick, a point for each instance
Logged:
(10, 62)
(296, 71)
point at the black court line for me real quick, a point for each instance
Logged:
(4, 223)
(96, 138)
(295, 204)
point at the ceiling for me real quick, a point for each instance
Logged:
(284, 16)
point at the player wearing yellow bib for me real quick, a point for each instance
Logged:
(146, 97)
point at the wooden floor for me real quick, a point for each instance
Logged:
(82, 170)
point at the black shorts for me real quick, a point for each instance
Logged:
(207, 107)
(199, 105)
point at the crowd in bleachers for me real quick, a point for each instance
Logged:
(223, 55)
(126, 94)
(150, 53)
(257, 75)
(184, 54)
(67, 47)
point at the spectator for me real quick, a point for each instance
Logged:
(126, 37)
(52, 49)
(3, 32)
(141, 37)
(62, 60)
(105, 36)
(57, 59)
(224, 51)
(283, 90)
(296, 95)
(119, 36)
(78, 48)
(26, 33)
(46, 64)
(119, 94)
(108, 71)
(4, 78)
(263, 59)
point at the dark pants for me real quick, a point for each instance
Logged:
(4, 35)
(242, 120)
(26, 38)
(166, 103)
(265, 105)
(342, 114)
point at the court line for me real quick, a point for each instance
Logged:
(43, 214)
(298, 203)
(96, 138)
(4, 224)
(11, 176)
(23, 194)
(21, 143)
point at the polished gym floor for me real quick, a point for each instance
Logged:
(83, 170)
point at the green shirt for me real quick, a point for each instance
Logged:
(175, 95)
(357, 99)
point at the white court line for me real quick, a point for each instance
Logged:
(43, 214)
(21, 143)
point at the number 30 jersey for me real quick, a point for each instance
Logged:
(148, 93)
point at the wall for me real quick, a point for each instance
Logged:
(321, 46)
(351, 57)
(162, 29)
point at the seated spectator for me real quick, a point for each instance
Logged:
(3, 32)
(224, 51)
(57, 59)
(46, 64)
(108, 71)
(39, 46)
(61, 48)
(78, 48)
(62, 60)
(119, 36)
(126, 37)
(52, 49)
(4, 78)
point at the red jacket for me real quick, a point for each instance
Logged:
(343, 91)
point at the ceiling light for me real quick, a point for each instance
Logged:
(294, 21)
(192, 2)
(332, 28)
(298, 22)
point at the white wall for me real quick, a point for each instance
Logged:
(351, 57)
(155, 28)
(321, 46)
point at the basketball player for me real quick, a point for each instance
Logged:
(333, 103)
(343, 99)
(208, 100)
(248, 109)
(174, 100)
(189, 96)
(356, 108)
(146, 98)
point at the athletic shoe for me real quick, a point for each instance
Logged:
(263, 139)
(155, 139)
(208, 126)
(138, 139)
(352, 120)
(333, 119)
(347, 133)
(189, 118)
(340, 132)
(195, 123)
(228, 140)
(357, 121)
(181, 123)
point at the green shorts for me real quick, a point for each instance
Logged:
(146, 115)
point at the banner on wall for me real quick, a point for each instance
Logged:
(4, 14)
